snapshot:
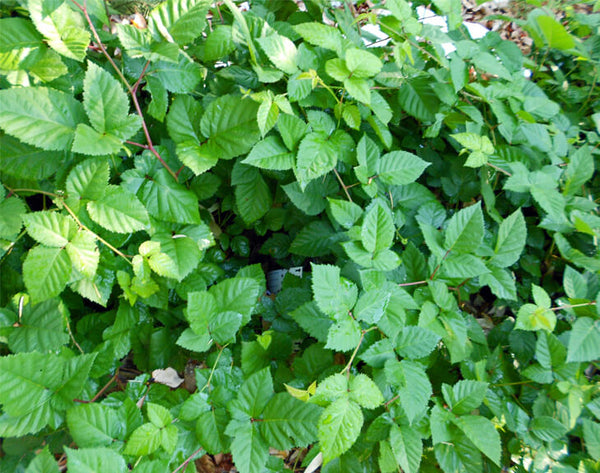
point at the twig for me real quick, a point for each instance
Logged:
(187, 460)
(72, 336)
(416, 283)
(337, 174)
(572, 306)
(499, 169)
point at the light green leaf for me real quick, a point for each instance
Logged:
(46, 272)
(418, 99)
(345, 213)
(224, 326)
(88, 180)
(181, 21)
(321, 35)
(93, 143)
(292, 129)
(83, 253)
(11, 212)
(317, 155)
(183, 119)
(119, 211)
(334, 295)
(40, 329)
(344, 335)
(252, 194)
(362, 64)
(555, 34)
(510, 242)
(360, 89)
(239, 294)
(547, 428)
(95, 460)
(414, 387)
(139, 43)
(61, 26)
(270, 154)
(365, 392)
(40, 116)
(339, 427)
(501, 282)
(407, 447)
(591, 437)
(584, 341)
(372, 305)
(330, 389)
(377, 231)
(464, 232)
(181, 77)
(280, 50)
(533, 317)
(198, 158)
(400, 168)
(219, 43)
(482, 433)
(416, 342)
(464, 396)
(50, 228)
(144, 440)
(179, 255)
(248, 448)
(43, 463)
(579, 170)
(21, 46)
(230, 125)
(288, 422)
(95, 425)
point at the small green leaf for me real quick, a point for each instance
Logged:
(362, 64)
(270, 154)
(321, 35)
(377, 231)
(416, 342)
(46, 272)
(334, 295)
(144, 440)
(11, 212)
(248, 448)
(547, 428)
(339, 427)
(88, 180)
(43, 463)
(252, 194)
(280, 50)
(533, 317)
(179, 255)
(464, 232)
(95, 425)
(365, 392)
(344, 335)
(50, 228)
(414, 387)
(118, 211)
(400, 168)
(464, 396)
(407, 447)
(510, 242)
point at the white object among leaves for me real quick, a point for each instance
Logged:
(168, 377)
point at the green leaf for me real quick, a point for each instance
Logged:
(40, 329)
(24, 161)
(239, 294)
(547, 428)
(210, 430)
(288, 422)
(579, 170)
(591, 437)
(510, 242)
(43, 463)
(224, 326)
(464, 396)
(344, 335)
(482, 433)
(321, 35)
(400, 168)
(345, 213)
(107, 105)
(414, 387)
(248, 448)
(418, 99)
(317, 155)
(198, 158)
(92, 460)
(252, 194)
(11, 212)
(118, 211)
(62, 27)
(339, 427)
(179, 255)
(40, 116)
(88, 180)
(95, 425)
(501, 282)
(41, 383)
(292, 129)
(360, 89)
(46, 272)
(555, 34)
(362, 64)
(280, 50)
(416, 342)
(93, 143)
(584, 340)
(183, 119)
(254, 394)
(330, 389)
(50, 228)
(407, 447)
(180, 77)
(312, 199)
(312, 320)
(230, 125)
(464, 232)
(270, 154)
(139, 43)
(377, 231)
(372, 305)
(144, 440)
(365, 392)
(533, 317)
(181, 21)
(83, 253)
(334, 295)
(21, 46)
(219, 43)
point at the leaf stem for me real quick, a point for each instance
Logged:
(35, 191)
(572, 306)
(118, 252)
(416, 283)
(339, 178)
(362, 337)
(187, 460)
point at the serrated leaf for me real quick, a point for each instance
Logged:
(210, 429)
(88, 180)
(591, 437)
(483, 434)
(61, 26)
(181, 76)
(288, 422)
(400, 168)
(464, 396)
(21, 160)
(118, 211)
(179, 255)
(414, 387)
(248, 448)
(584, 340)
(377, 231)
(312, 320)
(181, 21)
(21, 46)
(50, 228)
(407, 447)
(345, 213)
(95, 425)
(144, 440)
(139, 43)
(339, 427)
(83, 253)
(343, 335)
(40, 329)
(464, 232)
(547, 428)
(334, 295)
(321, 35)
(280, 50)
(252, 195)
(317, 155)
(270, 154)
(510, 242)
(416, 342)
(365, 392)
(46, 272)
(501, 282)
(579, 170)
(237, 294)
(91, 460)
(219, 43)
(362, 64)
(254, 394)
(230, 125)
(93, 143)
(43, 463)
(40, 116)
(533, 317)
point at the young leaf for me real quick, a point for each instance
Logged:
(339, 427)
(46, 272)
(280, 50)
(362, 64)
(365, 392)
(533, 317)
(345, 213)
(40, 116)
(118, 211)
(344, 335)
(43, 463)
(179, 255)
(83, 253)
(144, 440)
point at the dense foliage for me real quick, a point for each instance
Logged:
(442, 205)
